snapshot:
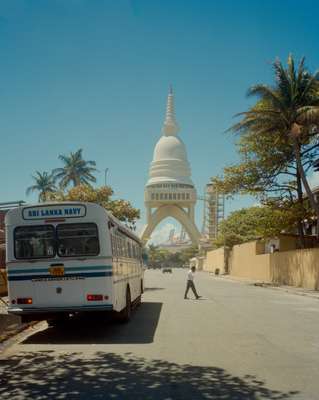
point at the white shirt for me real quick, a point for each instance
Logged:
(190, 275)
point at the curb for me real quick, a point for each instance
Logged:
(291, 290)
(16, 335)
(267, 285)
(10, 325)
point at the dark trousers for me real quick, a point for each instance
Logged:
(190, 285)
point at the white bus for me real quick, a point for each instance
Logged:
(70, 257)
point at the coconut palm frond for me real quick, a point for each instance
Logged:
(308, 115)
(266, 93)
(75, 169)
(44, 183)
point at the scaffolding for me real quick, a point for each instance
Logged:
(213, 212)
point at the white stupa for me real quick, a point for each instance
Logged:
(170, 162)
(169, 188)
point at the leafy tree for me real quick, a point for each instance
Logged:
(188, 253)
(44, 183)
(269, 173)
(255, 222)
(277, 143)
(289, 113)
(158, 257)
(75, 171)
(121, 209)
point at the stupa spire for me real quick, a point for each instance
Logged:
(170, 127)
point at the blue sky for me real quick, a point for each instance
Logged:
(94, 74)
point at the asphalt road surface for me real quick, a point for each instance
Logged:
(237, 342)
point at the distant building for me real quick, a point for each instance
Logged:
(311, 225)
(2, 216)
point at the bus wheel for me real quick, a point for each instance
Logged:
(125, 314)
(138, 300)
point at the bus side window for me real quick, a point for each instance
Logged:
(133, 250)
(135, 258)
(112, 244)
(119, 252)
(120, 246)
(126, 248)
(129, 252)
(117, 246)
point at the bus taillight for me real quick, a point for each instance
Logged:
(24, 300)
(94, 297)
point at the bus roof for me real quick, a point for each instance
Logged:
(30, 213)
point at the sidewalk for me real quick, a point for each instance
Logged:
(9, 324)
(273, 286)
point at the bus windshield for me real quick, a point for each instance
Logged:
(67, 240)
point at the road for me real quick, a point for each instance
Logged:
(237, 342)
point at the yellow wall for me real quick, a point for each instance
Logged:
(260, 247)
(295, 268)
(215, 259)
(245, 263)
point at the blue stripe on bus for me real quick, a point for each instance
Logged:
(80, 275)
(37, 270)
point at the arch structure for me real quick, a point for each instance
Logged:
(176, 212)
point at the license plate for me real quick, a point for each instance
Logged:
(57, 271)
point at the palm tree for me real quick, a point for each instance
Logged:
(289, 111)
(44, 183)
(76, 170)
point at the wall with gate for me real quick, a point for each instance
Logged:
(294, 267)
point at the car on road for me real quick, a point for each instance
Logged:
(167, 269)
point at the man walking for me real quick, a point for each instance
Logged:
(190, 283)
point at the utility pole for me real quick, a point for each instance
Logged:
(105, 175)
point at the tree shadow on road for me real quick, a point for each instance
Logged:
(48, 375)
(103, 329)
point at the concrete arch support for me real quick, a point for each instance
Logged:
(175, 212)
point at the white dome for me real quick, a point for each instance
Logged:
(170, 148)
